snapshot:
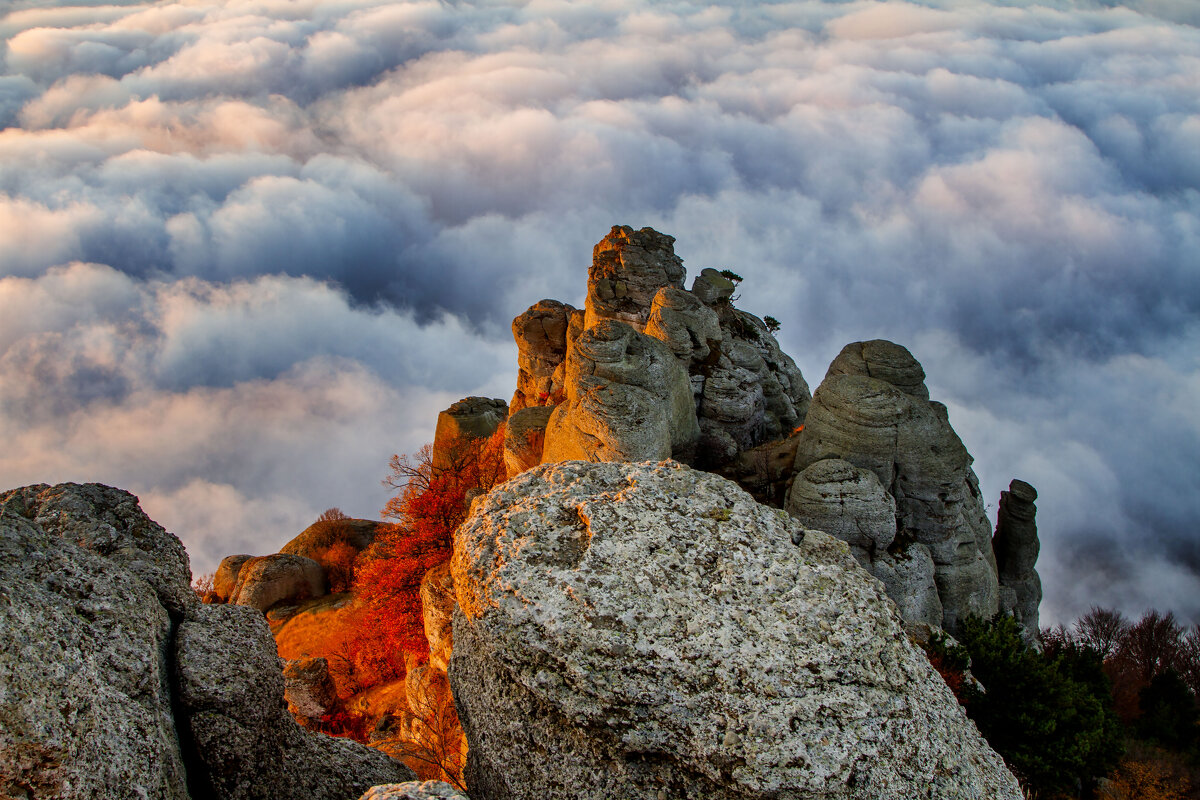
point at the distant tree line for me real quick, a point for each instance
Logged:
(1105, 708)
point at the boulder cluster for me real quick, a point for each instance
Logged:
(117, 682)
(650, 370)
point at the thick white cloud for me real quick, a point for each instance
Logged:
(261, 197)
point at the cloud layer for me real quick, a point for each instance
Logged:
(252, 246)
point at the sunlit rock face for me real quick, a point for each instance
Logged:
(541, 337)
(628, 399)
(628, 268)
(524, 438)
(648, 630)
(905, 440)
(469, 418)
(1016, 546)
(115, 676)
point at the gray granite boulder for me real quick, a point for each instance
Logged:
(648, 631)
(414, 790)
(231, 707)
(115, 682)
(88, 588)
(308, 689)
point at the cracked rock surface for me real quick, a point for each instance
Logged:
(647, 630)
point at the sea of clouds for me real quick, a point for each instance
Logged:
(249, 248)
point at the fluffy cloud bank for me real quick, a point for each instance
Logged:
(252, 246)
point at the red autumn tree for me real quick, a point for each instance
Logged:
(430, 505)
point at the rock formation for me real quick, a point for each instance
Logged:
(264, 581)
(469, 418)
(525, 438)
(873, 411)
(628, 269)
(744, 390)
(628, 399)
(1016, 546)
(541, 336)
(117, 679)
(641, 630)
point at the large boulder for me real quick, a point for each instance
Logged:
(628, 399)
(628, 268)
(226, 576)
(264, 581)
(112, 670)
(906, 440)
(89, 587)
(541, 336)
(643, 630)
(230, 700)
(437, 612)
(468, 419)
(687, 326)
(309, 689)
(414, 790)
(1016, 547)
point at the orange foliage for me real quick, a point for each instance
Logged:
(338, 559)
(1145, 780)
(430, 506)
(952, 675)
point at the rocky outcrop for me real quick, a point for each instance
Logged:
(264, 581)
(226, 576)
(469, 418)
(628, 268)
(89, 587)
(641, 630)
(414, 790)
(628, 399)
(230, 691)
(117, 679)
(308, 689)
(541, 337)
(315, 540)
(906, 441)
(687, 326)
(525, 438)
(1016, 546)
(713, 288)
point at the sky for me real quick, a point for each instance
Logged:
(249, 248)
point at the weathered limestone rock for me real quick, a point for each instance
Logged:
(907, 442)
(114, 676)
(628, 268)
(308, 689)
(1016, 546)
(469, 418)
(687, 326)
(712, 288)
(524, 438)
(230, 698)
(751, 393)
(437, 611)
(264, 581)
(225, 578)
(649, 631)
(628, 399)
(414, 790)
(846, 502)
(765, 471)
(85, 699)
(907, 575)
(884, 360)
(541, 337)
